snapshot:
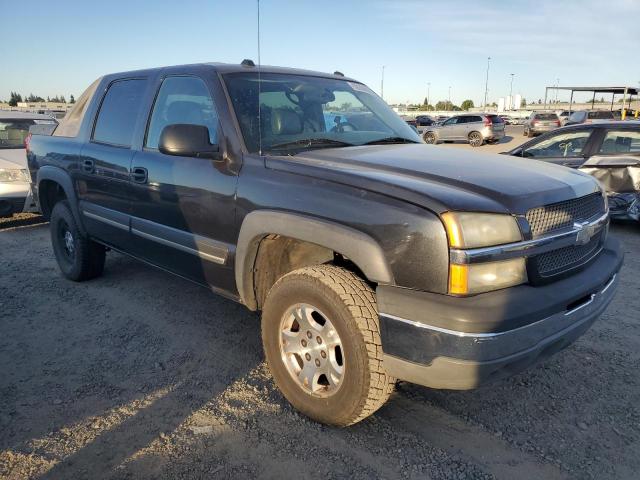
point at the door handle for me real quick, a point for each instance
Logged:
(139, 175)
(88, 165)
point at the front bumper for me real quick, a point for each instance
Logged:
(459, 343)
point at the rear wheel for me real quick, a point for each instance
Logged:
(429, 137)
(475, 139)
(78, 257)
(322, 343)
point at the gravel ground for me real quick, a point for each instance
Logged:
(139, 374)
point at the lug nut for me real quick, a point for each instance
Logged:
(323, 354)
(317, 362)
(308, 357)
(309, 335)
(319, 340)
(304, 343)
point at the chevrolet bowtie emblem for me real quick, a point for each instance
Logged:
(584, 232)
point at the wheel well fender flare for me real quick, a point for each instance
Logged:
(360, 248)
(62, 178)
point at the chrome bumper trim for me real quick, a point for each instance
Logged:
(487, 346)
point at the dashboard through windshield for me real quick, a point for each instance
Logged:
(299, 112)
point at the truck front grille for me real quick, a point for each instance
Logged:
(558, 261)
(561, 215)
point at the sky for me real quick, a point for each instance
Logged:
(59, 48)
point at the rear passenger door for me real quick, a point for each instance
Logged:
(183, 207)
(103, 178)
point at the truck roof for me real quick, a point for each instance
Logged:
(233, 68)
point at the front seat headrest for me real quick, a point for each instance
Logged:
(285, 122)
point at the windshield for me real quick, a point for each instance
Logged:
(300, 112)
(13, 132)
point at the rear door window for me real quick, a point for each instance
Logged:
(621, 142)
(119, 112)
(546, 116)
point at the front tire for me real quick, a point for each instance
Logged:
(429, 138)
(78, 257)
(321, 338)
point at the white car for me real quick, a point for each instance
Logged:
(15, 182)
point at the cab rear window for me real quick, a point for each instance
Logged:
(546, 116)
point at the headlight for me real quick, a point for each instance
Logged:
(472, 230)
(14, 175)
(483, 277)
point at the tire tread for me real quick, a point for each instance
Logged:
(361, 302)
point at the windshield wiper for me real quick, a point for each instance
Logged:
(389, 140)
(313, 142)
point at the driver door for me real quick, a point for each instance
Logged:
(563, 148)
(183, 207)
(450, 128)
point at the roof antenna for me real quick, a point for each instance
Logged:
(259, 87)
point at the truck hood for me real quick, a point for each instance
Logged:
(442, 178)
(11, 158)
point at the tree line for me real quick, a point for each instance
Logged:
(15, 98)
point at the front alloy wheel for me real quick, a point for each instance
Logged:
(311, 350)
(430, 138)
(321, 339)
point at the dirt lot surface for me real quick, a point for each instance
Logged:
(140, 374)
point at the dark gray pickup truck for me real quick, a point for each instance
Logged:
(371, 256)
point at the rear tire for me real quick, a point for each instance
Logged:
(475, 139)
(335, 307)
(78, 257)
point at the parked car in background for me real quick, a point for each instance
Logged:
(507, 119)
(475, 128)
(15, 183)
(441, 118)
(538, 123)
(564, 116)
(410, 120)
(609, 151)
(589, 116)
(423, 121)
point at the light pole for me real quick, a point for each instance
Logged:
(557, 85)
(428, 90)
(382, 84)
(486, 84)
(511, 107)
(449, 104)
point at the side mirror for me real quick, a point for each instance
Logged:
(186, 140)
